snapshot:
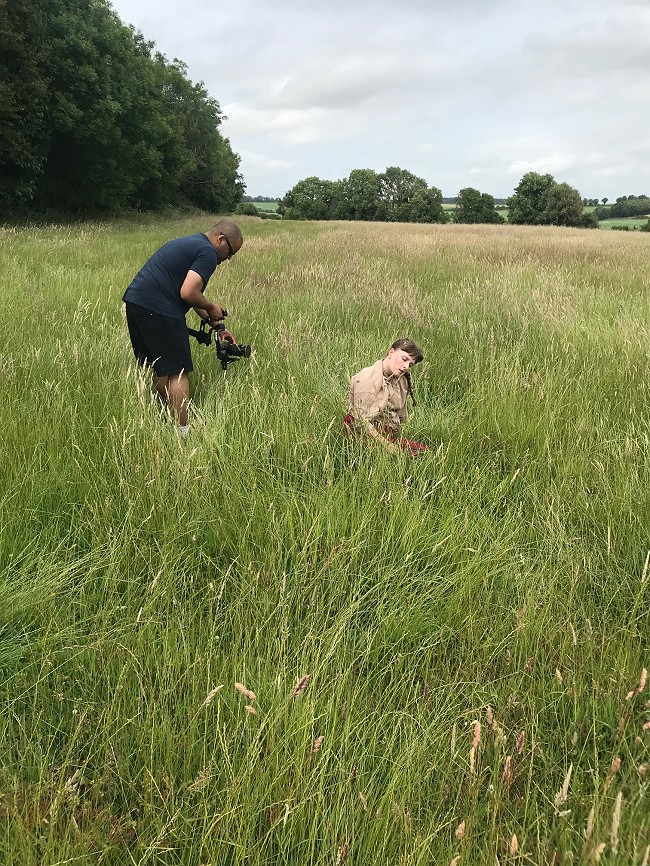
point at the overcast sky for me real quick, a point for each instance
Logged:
(459, 92)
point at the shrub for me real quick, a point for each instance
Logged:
(246, 208)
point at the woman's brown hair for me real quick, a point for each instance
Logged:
(407, 345)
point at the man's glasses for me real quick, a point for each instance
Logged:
(231, 252)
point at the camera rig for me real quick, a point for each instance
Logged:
(227, 351)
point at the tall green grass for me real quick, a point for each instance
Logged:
(473, 624)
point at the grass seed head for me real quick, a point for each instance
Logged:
(521, 739)
(597, 853)
(616, 820)
(460, 830)
(301, 685)
(563, 793)
(210, 697)
(246, 692)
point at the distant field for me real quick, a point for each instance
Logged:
(631, 222)
(266, 205)
(470, 630)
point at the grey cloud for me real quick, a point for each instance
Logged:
(354, 80)
(458, 93)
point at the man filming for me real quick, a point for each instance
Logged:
(166, 287)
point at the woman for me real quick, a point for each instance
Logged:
(377, 399)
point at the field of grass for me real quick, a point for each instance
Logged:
(631, 222)
(266, 205)
(267, 645)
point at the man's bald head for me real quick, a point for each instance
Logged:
(230, 229)
(226, 237)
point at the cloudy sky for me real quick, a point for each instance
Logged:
(459, 92)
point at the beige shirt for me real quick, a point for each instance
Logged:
(378, 400)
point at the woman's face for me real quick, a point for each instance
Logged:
(397, 362)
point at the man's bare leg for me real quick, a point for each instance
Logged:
(175, 391)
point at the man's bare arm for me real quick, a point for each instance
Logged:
(192, 295)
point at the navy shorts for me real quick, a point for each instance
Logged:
(159, 341)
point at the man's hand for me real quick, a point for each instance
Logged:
(227, 336)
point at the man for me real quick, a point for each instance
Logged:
(161, 293)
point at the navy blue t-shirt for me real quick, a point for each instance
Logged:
(157, 285)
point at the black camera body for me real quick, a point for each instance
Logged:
(227, 352)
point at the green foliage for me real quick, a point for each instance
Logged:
(540, 200)
(23, 100)
(93, 120)
(562, 206)
(646, 227)
(362, 196)
(246, 208)
(473, 206)
(395, 195)
(310, 199)
(630, 206)
(526, 206)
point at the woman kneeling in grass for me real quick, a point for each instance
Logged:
(377, 399)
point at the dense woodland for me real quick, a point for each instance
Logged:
(92, 118)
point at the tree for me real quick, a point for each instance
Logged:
(310, 199)
(540, 200)
(246, 208)
(562, 206)
(90, 119)
(630, 206)
(398, 187)
(526, 206)
(473, 206)
(604, 200)
(407, 198)
(425, 207)
(363, 196)
(395, 196)
(23, 102)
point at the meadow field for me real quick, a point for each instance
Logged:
(269, 645)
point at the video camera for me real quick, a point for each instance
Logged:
(227, 352)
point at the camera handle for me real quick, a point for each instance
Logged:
(204, 334)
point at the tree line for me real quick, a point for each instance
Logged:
(93, 118)
(626, 206)
(396, 195)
